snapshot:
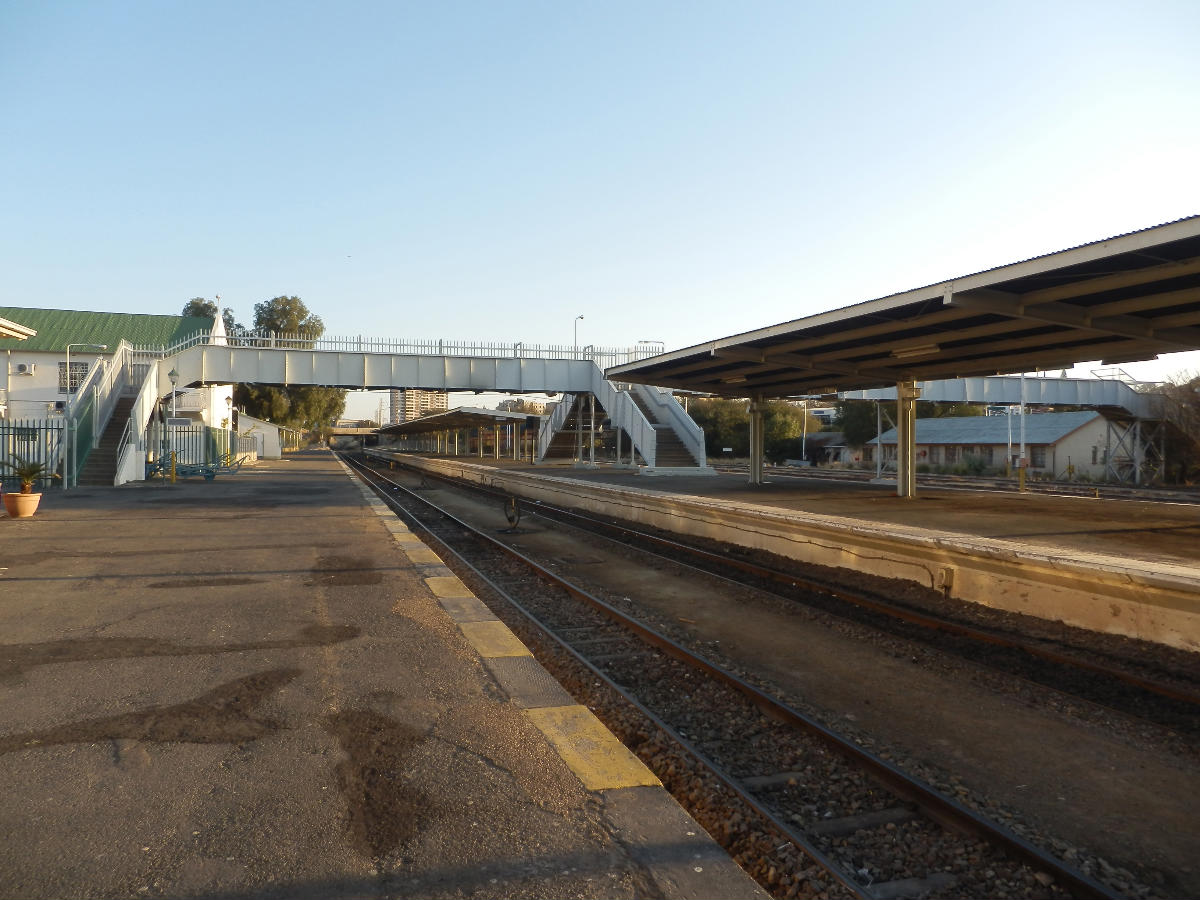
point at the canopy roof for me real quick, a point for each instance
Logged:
(9, 329)
(460, 417)
(1040, 428)
(1123, 299)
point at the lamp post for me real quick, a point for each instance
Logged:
(229, 422)
(67, 433)
(576, 323)
(173, 377)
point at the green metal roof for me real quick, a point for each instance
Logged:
(58, 327)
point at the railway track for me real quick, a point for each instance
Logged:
(804, 810)
(1107, 491)
(1129, 685)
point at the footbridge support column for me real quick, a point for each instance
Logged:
(907, 393)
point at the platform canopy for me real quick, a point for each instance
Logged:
(1124, 299)
(460, 417)
(10, 329)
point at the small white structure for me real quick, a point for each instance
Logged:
(266, 435)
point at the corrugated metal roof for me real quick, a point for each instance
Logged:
(1040, 428)
(459, 417)
(1119, 299)
(58, 327)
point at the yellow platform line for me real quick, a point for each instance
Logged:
(589, 749)
(493, 639)
(447, 586)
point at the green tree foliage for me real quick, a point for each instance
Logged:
(927, 410)
(856, 420)
(726, 423)
(287, 315)
(308, 408)
(207, 309)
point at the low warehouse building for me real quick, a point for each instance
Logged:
(1058, 445)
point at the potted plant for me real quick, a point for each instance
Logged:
(26, 502)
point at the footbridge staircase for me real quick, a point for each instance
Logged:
(649, 426)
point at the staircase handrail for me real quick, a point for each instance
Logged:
(131, 450)
(624, 413)
(553, 423)
(92, 403)
(669, 412)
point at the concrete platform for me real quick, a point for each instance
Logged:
(266, 686)
(1119, 566)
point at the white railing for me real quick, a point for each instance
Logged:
(604, 357)
(131, 451)
(622, 412)
(553, 423)
(668, 412)
(192, 400)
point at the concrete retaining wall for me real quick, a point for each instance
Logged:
(1153, 602)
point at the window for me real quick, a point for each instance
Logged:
(79, 372)
(951, 453)
(1037, 456)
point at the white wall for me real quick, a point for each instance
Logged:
(33, 396)
(1078, 447)
(265, 433)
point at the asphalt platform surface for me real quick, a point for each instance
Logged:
(265, 686)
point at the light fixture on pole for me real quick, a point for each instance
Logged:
(577, 318)
(67, 412)
(173, 377)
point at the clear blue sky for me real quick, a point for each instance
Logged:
(490, 170)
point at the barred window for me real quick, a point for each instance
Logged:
(79, 372)
(1037, 456)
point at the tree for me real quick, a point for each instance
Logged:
(308, 408)
(287, 315)
(726, 423)
(1182, 410)
(856, 420)
(207, 309)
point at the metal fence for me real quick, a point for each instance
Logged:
(195, 445)
(30, 440)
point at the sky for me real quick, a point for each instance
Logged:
(672, 172)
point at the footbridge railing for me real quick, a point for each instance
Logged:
(622, 411)
(669, 413)
(604, 357)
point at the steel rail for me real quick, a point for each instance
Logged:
(984, 484)
(939, 807)
(925, 620)
(859, 599)
(709, 766)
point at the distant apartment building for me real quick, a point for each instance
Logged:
(412, 403)
(532, 407)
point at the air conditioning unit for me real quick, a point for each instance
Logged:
(26, 368)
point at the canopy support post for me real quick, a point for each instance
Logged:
(907, 393)
(757, 441)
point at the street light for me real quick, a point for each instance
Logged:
(173, 376)
(68, 411)
(576, 323)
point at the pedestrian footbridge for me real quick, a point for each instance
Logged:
(649, 421)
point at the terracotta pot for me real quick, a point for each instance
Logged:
(21, 506)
